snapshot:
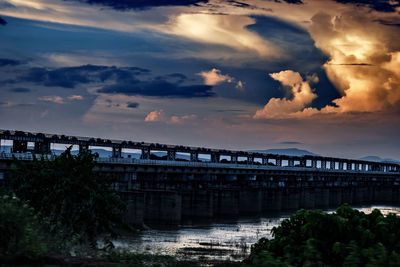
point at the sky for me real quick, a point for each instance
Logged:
(321, 75)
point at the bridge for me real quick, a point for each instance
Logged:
(204, 183)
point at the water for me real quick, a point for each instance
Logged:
(213, 242)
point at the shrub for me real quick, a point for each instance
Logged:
(20, 237)
(316, 238)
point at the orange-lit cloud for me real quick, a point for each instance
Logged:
(364, 61)
(156, 115)
(301, 96)
(161, 116)
(214, 77)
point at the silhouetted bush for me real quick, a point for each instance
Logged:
(20, 238)
(345, 238)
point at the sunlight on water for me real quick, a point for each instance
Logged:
(216, 241)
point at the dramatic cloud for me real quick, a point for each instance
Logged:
(132, 105)
(364, 61)
(230, 31)
(141, 4)
(214, 77)
(301, 96)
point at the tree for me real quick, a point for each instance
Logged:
(78, 202)
(345, 238)
(20, 238)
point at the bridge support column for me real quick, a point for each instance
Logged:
(171, 155)
(323, 164)
(349, 165)
(20, 146)
(250, 201)
(341, 165)
(290, 162)
(145, 153)
(264, 161)
(226, 202)
(194, 156)
(357, 167)
(42, 148)
(234, 159)
(333, 163)
(215, 157)
(135, 208)
(271, 200)
(314, 163)
(117, 152)
(162, 207)
(303, 163)
(250, 160)
(197, 204)
(278, 162)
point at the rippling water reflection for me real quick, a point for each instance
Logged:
(216, 241)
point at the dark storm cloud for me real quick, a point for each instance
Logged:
(20, 90)
(141, 4)
(3, 21)
(70, 77)
(132, 105)
(8, 62)
(120, 80)
(159, 88)
(378, 5)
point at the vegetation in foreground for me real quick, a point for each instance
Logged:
(345, 238)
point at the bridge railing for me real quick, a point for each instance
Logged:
(111, 160)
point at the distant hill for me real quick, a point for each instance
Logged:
(379, 159)
(286, 151)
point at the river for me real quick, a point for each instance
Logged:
(212, 242)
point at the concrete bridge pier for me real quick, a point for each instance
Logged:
(347, 194)
(226, 202)
(197, 204)
(135, 209)
(335, 197)
(291, 198)
(271, 200)
(162, 207)
(321, 198)
(250, 201)
(308, 198)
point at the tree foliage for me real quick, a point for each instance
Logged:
(345, 238)
(20, 237)
(78, 202)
